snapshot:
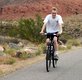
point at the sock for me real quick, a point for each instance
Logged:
(56, 52)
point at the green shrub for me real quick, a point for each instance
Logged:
(62, 48)
(13, 32)
(69, 46)
(41, 48)
(30, 29)
(38, 53)
(76, 43)
(10, 52)
(25, 55)
(8, 28)
(73, 26)
(65, 37)
(73, 42)
(10, 61)
(1, 72)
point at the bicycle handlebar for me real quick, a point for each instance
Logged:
(50, 33)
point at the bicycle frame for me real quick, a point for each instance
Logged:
(50, 55)
(50, 47)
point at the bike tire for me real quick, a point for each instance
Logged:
(48, 61)
(54, 62)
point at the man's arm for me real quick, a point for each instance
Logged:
(60, 28)
(60, 22)
(44, 25)
(43, 28)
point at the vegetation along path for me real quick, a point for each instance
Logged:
(69, 68)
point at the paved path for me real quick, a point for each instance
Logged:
(69, 68)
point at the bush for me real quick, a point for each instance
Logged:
(69, 46)
(1, 72)
(9, 61)
(62, 47)
(73, 26)
(73, 42)
(30, 29)
(65, 37)
(25, 55)
(38, 53)
(8, 28)
(10, 52)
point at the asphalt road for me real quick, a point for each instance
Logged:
(69, 68)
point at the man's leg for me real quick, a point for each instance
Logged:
(56, 47)
(47, 41)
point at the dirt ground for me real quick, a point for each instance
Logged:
(5, 69)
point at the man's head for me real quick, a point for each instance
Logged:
(54, 12)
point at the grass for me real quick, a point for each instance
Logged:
(7, 60)
(74, 42)
(10, 61)
(1, 72)
(25, 55)
(10, 51)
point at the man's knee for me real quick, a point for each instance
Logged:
(47, 41)
(55, 39)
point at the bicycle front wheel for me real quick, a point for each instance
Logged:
(48, 62)
(54, 61)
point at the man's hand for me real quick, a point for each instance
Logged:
(59, 33)
(41, 32)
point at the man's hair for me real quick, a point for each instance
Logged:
(54, 8)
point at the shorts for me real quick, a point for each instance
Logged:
(51, 35)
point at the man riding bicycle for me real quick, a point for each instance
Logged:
(53, 24)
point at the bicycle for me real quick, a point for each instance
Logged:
(50, 54)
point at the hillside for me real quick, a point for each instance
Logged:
(15, 9)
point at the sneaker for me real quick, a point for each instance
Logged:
(56, 57)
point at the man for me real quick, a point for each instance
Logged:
(53, 24)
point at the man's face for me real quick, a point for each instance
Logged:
(54, 13)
